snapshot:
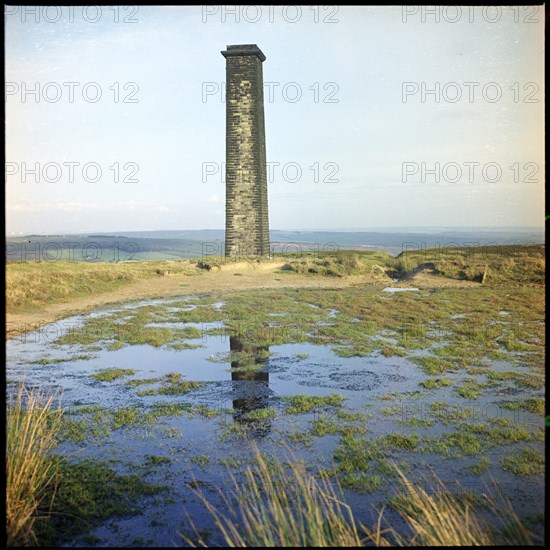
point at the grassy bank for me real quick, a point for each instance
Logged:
(492, 265)
(31, 285)
(501, 265)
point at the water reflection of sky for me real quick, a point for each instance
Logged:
(290, 369)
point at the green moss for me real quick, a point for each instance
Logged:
(261, 414)
(184, 345)
(159, 410)
(393, 351)
(452, 444)
(520, 379)
(87, 493)
(243, 358)
(415, 422)
(512, 343)
(448, 413)
(476, 370)
(142, 382)
(361, 350)
(49, 361)
(297, 404)
(533, 405)
(204, 411)
(233, 430)
(247, 368)
(74, 430)
(127, 416)
(117, 344)
(172, 384)
(493, 434)
(130, 327)
(201, 460)
(172, 433)
(483, 465)
(392, 410)
(108, 375)
(351, 417)
(323, 426)
(433, 365)
(400, 441)
(471, 389)
(525, 463)
(534, 382)
(361, 482)
(507, 375)
(356, 454)
(95, 424)
(157, 460)
(434, 383)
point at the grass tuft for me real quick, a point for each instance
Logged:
(277, 507)
(286, 506)
(302, 403)
(32, 428)
(108, 375)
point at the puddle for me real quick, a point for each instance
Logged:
(242, 382)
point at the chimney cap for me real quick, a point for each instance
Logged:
(243, 49)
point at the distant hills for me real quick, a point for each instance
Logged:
(164, 245)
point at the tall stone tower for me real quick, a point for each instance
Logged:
(246, 219)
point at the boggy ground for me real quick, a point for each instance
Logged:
(43, 292)
(239, 277)
(449, 378)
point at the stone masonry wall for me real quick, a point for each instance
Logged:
(246, 214)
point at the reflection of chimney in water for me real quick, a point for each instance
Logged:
(250, 387)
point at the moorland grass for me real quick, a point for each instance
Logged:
(32, 432)
(32, 285)
(283, 505)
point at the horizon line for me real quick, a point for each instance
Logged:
(408, 229)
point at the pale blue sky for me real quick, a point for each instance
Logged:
(369, 133)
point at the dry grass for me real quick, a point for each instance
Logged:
(31, 433)
(278, 508)
(34, 284)
(342, 263)
(282, 507)
(505, 265)
(438, 518)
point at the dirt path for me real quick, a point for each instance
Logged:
(230, 278)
